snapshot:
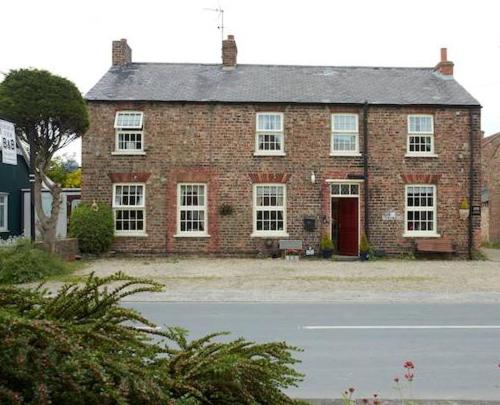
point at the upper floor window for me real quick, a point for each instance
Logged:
(420, 210)
(269, 210)
(129, 209)
(4, 213)
(345, 134)
(269, 138)
(420, 135)
(129, 132)
(192, 210)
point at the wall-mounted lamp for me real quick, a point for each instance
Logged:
(313, 177)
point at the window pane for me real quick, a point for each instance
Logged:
(128, 120)
(129, 141)
(344, 142)
(272, 142)
(269, 122)
(420, 124)
(344, 122)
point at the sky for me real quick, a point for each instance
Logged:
(73, 38)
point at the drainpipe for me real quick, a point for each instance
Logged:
(365, 168)
(471, 182)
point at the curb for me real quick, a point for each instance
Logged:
(398, 402)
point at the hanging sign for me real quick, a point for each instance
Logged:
(8, 143)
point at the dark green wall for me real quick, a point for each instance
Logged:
(12, 180)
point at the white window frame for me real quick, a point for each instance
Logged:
(334, 152)
(280, 133)
(426, 233)
(5, 197)
(204, 207)
(267, 233)
(423, 134)
(130, 207)
(128, 130)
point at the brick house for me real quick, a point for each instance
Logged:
(228, 158)
(491, 188)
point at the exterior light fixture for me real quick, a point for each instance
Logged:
(313, 177)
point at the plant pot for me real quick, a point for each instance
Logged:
(464, 213)
(327, 253)
(363, 256)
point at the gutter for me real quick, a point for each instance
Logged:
(365, 168)
(471, 183)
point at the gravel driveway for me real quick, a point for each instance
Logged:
(230, 279)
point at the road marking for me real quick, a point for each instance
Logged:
(402, 327)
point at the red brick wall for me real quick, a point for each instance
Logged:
(215, 144)
(491, 181)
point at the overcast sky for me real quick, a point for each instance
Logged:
(73, 38)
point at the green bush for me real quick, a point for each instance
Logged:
(22, 262)
(93, 226)
(81, 347)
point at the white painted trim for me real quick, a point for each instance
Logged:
(346, 154)
(424, 155)
(5, 228)
(423, 234)
(192, 234)
(268, 234)
(280, 132)
(334, 152)
(128, 153)
(410, 133)
(132, 233)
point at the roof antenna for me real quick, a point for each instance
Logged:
(220, 17)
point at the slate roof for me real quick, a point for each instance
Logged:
(279, 84)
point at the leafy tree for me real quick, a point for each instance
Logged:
(64, 172)
(81, 347)
(49, 113)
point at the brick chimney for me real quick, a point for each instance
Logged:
(445, 67)
(121, 54)
(229, 53)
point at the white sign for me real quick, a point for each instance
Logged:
(8, 143)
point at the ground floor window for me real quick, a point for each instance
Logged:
(129, 209)
(192, 210)
(269, 209)
(420, 210)
(4, 213)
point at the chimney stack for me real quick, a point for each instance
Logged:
(445, 67)
(229, 53)
(121, 54)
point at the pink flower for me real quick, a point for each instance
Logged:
(409, 364)
(409, 376)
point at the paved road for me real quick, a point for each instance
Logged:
(455, 346)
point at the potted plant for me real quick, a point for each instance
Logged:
(464, 209)
(326, 246)
(364, 248)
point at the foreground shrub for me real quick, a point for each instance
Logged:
(81, 347)
(93, 226)
(22, 262)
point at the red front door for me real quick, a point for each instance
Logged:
(348, 227)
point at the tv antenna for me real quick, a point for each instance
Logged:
(220, 16)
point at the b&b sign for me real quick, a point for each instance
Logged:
(8, 143)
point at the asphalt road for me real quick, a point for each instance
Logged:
(455, 347)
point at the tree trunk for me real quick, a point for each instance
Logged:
(47, 225)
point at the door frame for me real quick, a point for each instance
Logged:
(358, 182)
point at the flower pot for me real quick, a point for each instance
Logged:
(363, 256)
(464, 213)
(327, 253)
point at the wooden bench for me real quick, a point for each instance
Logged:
(290, 246)
(442, 245)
